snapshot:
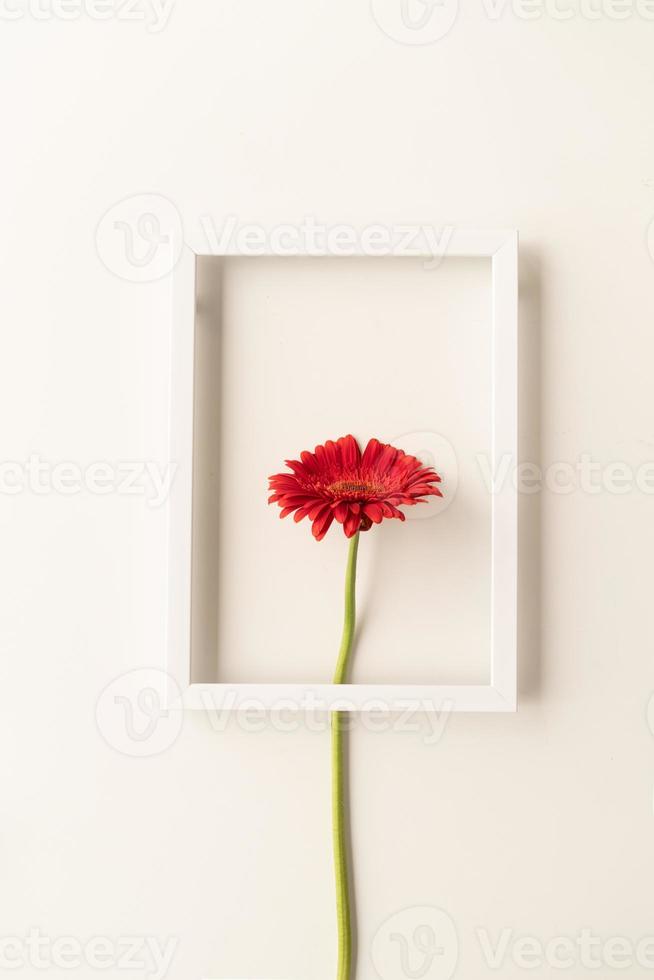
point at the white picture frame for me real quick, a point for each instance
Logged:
(501, 247)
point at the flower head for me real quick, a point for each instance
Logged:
(339, 482)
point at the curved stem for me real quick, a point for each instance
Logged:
(338, 775)
(350, 612)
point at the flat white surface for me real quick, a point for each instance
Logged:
(539, 822)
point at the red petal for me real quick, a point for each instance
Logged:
(321, 525)
(315, 509)
(371, 453)
(297, 467)
(351, 525)
(350, 452)
(281, 482)
(374, 512)
(341, 511)
(387, 458)
(298, 499)
(330, 455)
(309, 461)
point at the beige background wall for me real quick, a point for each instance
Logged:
(292, 351)
(530, 825)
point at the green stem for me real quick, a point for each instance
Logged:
(338, 776)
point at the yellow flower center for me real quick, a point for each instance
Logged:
(351, 488)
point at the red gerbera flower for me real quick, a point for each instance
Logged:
(358, 489)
